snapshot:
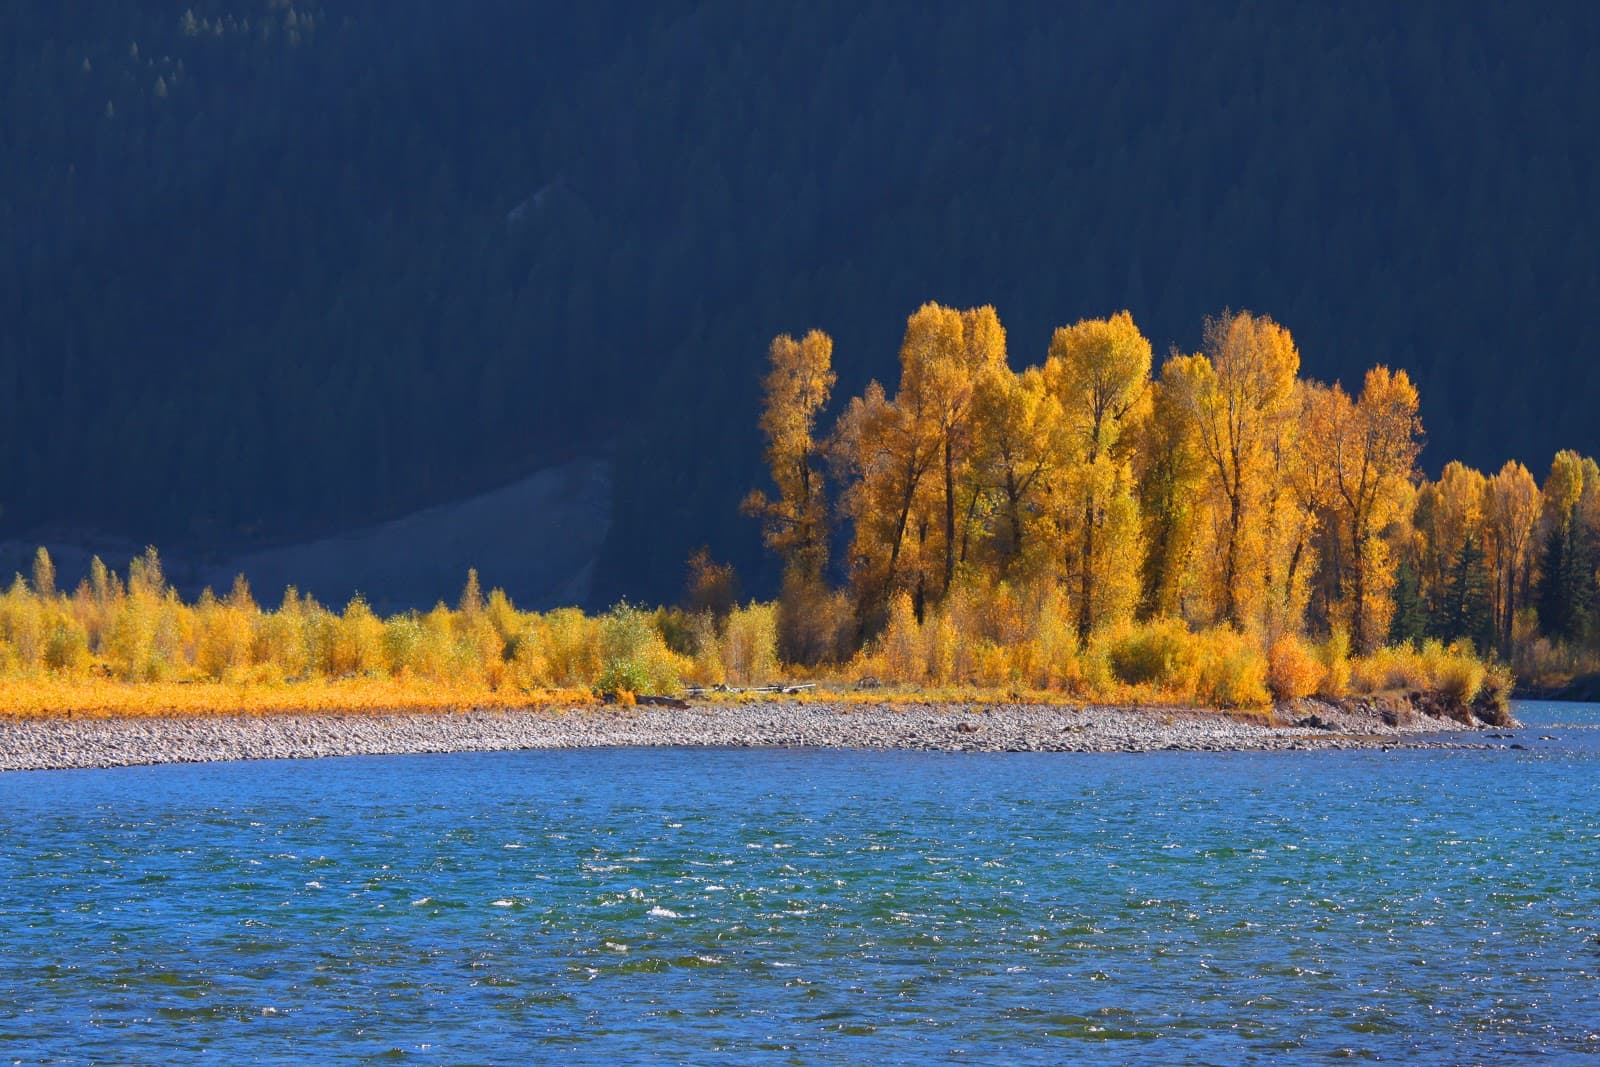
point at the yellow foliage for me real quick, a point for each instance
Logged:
(571, 647)
(1292, 671)
(94, 696)
(1158, 653)
(224, 638)
(1053, 661)
(901, 644)
(750, 645)
(1335, 683)
(1231, 671)
(358, 641)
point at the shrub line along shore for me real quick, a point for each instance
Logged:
(63, 743)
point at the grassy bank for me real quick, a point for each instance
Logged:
(134, 648)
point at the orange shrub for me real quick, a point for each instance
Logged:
(1292, 672)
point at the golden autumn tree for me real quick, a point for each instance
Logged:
(944, 355)
(1369, 446)
(983, 355)
(931, 402)
(905, 457)
(1235, 396)
(1452, 516)
(1512, 512)
(1015, 422)
(1450, 520)
(1170, 472)
(883, 454)
(797, 386)
(1298, 499)
(1098, 371)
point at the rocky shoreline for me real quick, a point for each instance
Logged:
(45, 744)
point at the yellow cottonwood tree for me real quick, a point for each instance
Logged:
(1098, 371)
(1015, 420)
(1512, 508)
(1298, 499)
(1449, 513)
(797, 386)
(906, 456)
(1371, 447)
(1235, 395)
(1170, 473)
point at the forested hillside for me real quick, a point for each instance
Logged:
(273, 270)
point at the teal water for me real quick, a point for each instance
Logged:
(807, 906)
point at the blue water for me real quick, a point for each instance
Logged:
(803, 906)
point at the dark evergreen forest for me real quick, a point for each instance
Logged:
(272, 270)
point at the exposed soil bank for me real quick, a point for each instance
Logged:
(40, 744)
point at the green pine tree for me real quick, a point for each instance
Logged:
(1410, 611)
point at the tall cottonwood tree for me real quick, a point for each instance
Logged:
(1235, 395)
(1371, 447)
(891, 447)
(1170, 473)
(796, 388)
(1299, 501)
(1016, 421)
(1512, 514)
(1098, 371)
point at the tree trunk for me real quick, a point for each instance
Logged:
(1358, 564)
(1014, 507)
(1230, 563)
(1086, 572)
(949, 514)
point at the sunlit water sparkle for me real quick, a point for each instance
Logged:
(808, 906)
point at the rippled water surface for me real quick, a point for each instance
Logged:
(805, 906)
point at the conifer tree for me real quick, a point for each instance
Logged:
(1467, 611)
(1410, 622)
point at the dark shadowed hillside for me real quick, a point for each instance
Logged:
(272, 271)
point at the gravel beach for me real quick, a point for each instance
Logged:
(38, 744)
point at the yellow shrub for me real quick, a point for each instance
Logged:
(1053, 657)
(223, 639)
(943, 649)
(278, 639)
(146, 639)
(900, 646)
(1292, 672)
(507, 621)
(1397, 668)
(707, 666)
(633, 655)
(572, 647)
(358, 641)
(991, 663)
(1455, 673)
(1154, 653)
(529, 669)
(750, 645)
(66, 647)
(1231, 671)
(22, 626)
